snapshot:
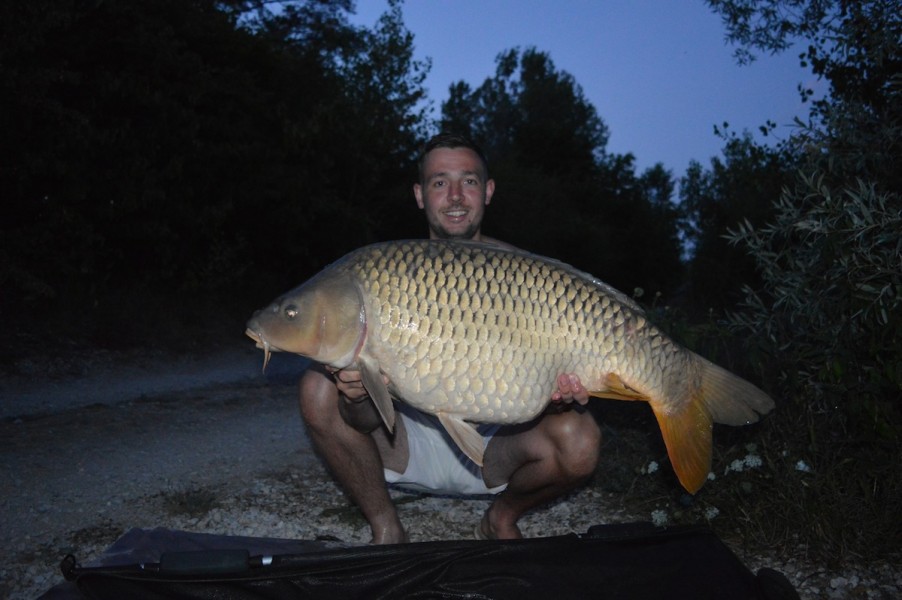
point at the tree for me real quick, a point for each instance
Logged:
(194, 148)
(856, 46)
(528, 106)
(663, 244)
(739, 188)
(386, 96)
(558, 191)
(108, 110)
(351, 135)
(846, 197)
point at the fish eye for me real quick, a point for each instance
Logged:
(291, 312)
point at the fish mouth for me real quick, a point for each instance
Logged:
(262, 343)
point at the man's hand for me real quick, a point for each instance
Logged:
(349, 383)
(353, 400)
(570, 389)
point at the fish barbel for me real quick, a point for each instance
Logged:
(475, 333)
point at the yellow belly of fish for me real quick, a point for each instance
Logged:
(484, 382)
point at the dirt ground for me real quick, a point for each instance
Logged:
(214, 446)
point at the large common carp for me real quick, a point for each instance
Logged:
(476, 333)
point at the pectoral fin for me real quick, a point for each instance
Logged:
(464, 435)
(378, 391)
(614, 388)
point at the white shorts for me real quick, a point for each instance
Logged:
(435, 464)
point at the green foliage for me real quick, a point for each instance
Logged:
(825, 316)
(858, 126)
(822, 323)
(830, 257)
(772, 25)
(740, 187)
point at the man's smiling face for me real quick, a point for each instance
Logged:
(454, 193)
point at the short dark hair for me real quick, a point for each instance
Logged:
(448, 139)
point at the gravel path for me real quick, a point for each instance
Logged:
(213, 446)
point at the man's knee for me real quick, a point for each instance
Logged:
(578, 440)
(318, 398)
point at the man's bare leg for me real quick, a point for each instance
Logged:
(352, 455)
(540, 461)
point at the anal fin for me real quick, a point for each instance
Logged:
(378, 391)
(464, 435)
(614, 388)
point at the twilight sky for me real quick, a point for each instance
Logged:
(659, 72)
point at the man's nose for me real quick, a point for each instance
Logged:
(456, 192)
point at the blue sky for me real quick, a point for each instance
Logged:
(659, 72)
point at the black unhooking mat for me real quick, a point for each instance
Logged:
(635, 561)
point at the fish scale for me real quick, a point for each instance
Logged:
(477, 333)
(515, 318)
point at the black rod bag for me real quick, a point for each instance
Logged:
(635, 561)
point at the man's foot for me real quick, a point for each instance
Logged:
(494, 528)
(393, 535)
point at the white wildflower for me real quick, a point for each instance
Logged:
(803, 467)
(711, 512)
(737, 465)
(711, 476)
(659, 518)
(753, 461)
(652, 467)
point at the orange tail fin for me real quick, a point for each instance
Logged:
(687, 432)
(720, 396)
(687, 435)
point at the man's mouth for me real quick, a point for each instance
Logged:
(456, 213)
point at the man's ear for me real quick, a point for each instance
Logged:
(418, 194)
(489, 190)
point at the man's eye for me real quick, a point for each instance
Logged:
(438, 184)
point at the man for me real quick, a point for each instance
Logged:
(525, 465)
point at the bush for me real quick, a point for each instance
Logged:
(833, 286)
(825, 330)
